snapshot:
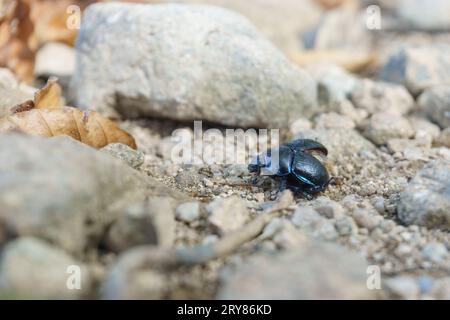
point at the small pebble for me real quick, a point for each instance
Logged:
(188, 211)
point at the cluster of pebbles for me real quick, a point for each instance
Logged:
(380, 230)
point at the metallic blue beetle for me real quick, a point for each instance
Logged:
(295, 168)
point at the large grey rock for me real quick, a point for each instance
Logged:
(418, 68)
(186, 62)
(435, 103)
(303, 273)
(33, 269)
(65, 192)
(426, 200)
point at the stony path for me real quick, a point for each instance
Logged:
(140, 224)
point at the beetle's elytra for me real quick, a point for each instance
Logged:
(294, 166)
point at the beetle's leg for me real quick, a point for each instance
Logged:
(331, 179)
(307, 195)
(257, 181)
(296, 190)
(282, 184)
(299, 191)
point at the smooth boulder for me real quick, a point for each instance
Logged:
(186, 62)
(65, 192)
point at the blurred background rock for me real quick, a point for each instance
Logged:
(370, 79)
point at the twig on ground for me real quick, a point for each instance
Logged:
(199, 254)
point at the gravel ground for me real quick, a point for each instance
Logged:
(167, 232)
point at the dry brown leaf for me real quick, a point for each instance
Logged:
(45, 116)
(17, 43)
(26, 25)
(49, 97)
(50, 18)
(86, 126)
(351, 61)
